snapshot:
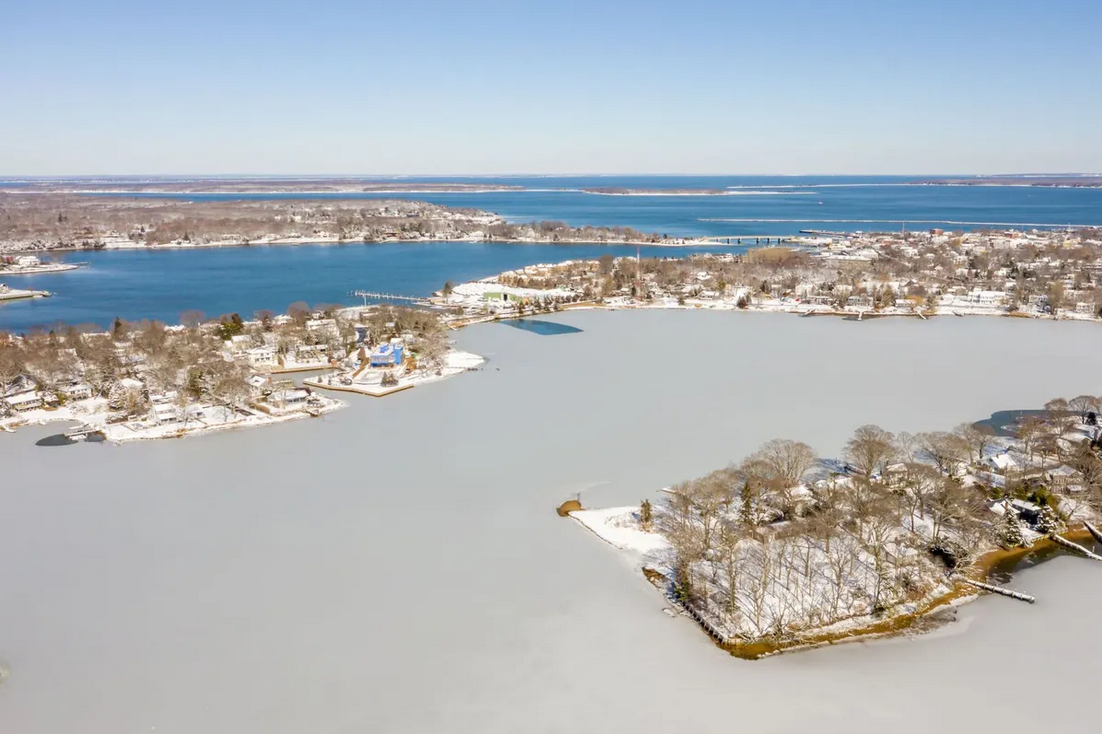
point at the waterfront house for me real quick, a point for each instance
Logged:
(24, 401)
(161, 413)
(289, 397)
(1026, 510)
(77, 391)
(311, 353)
(387, 355)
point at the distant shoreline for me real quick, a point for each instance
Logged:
(293, 241)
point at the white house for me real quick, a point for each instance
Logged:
(78, 391)
(261, 357)
(24, 401)
(162, 413)
(1002, 462)
(324, 328)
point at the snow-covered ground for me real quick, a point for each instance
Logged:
(369, 381)
(200, 419)
(828, 590)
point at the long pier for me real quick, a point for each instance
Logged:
(758, 239)
(386, 297)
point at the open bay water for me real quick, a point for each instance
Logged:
(758, 205)
(161, 284)
(398, 566)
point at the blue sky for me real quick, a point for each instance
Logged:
(439, 87)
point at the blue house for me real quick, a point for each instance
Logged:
(387, 355)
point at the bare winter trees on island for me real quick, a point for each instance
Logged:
(784, 545)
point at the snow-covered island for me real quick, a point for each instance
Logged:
(145, 380)
(785, 550)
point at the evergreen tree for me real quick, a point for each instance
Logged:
(646, 514)
(746, 510)
(1010, 535)
(1048, 522)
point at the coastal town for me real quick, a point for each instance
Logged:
(1040, 274)
(151, 380)
(786, 550)
(147, 380)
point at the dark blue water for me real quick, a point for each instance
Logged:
(777, 205)
(1005, 422)
(160, 284)
(543, 328)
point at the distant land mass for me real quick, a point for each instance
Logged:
(262, 186)
(1074, 182)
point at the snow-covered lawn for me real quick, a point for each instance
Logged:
(369, 381)
(200, 418)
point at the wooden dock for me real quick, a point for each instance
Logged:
(1076, 547)
(1010, 593)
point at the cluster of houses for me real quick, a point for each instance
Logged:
(1039, 273)
(131, 383)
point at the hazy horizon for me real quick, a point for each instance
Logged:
(533, 174)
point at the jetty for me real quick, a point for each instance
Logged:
(1094, 531)
(1076, 547)
(11, 294)
(1010, 593)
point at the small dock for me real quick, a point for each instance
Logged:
(1076, 547)
(81, 432)
(1010, 593)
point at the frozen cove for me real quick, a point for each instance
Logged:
(398, 566)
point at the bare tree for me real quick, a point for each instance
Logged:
(11, 366)
(870, 450)
(1084, 404)
(1030, 432)
(787, 462)
(975, 438)
(944, 449)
